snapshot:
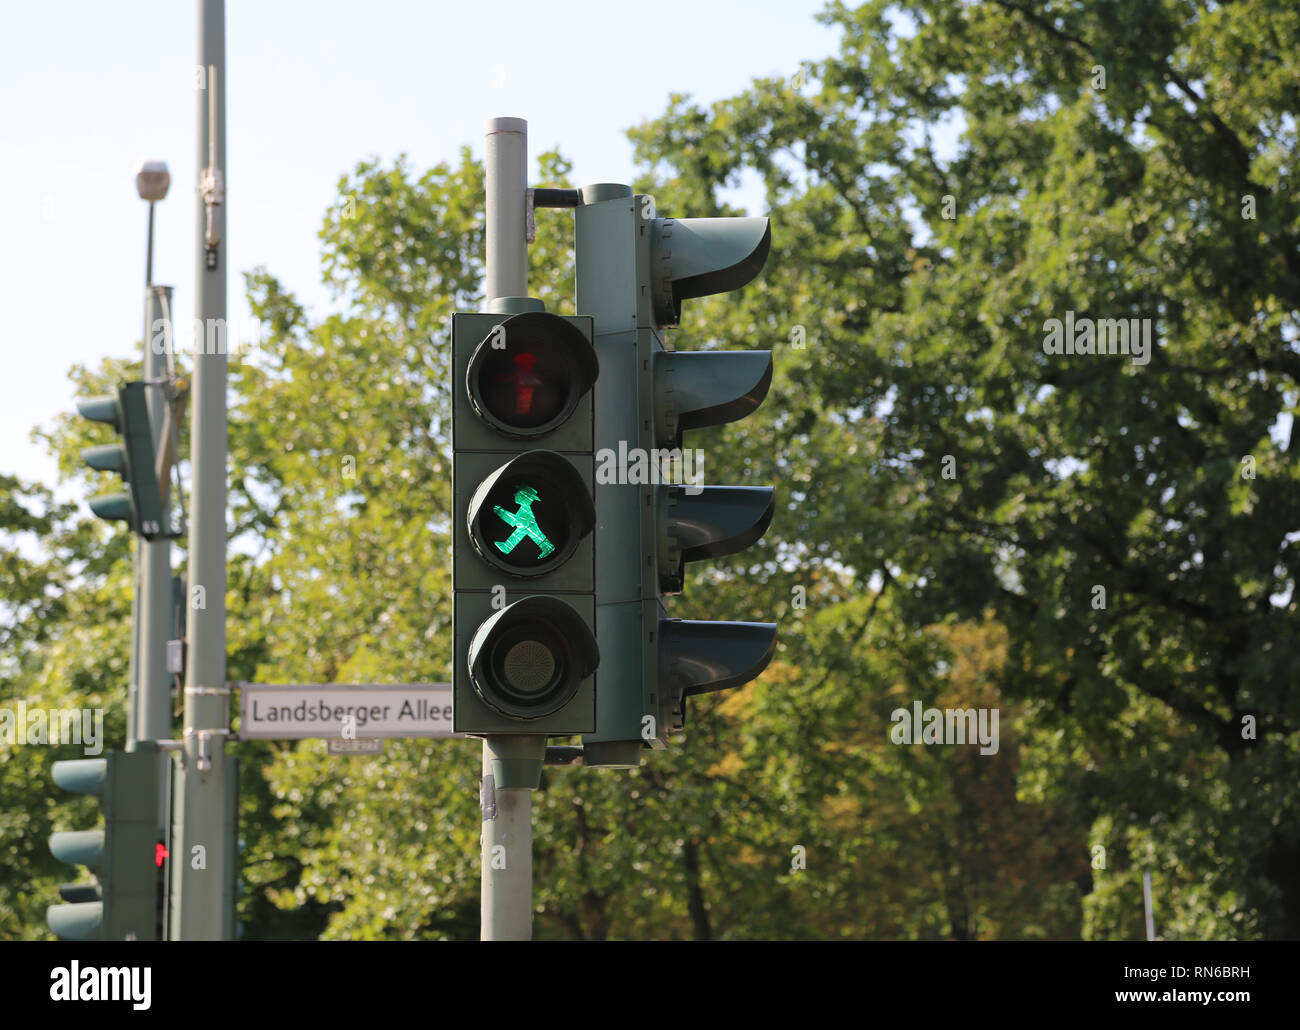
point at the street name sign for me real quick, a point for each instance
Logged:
(344, 711)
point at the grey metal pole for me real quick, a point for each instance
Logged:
(148, 261)
(153, 701)
(506, 161)
(506, 907)
(507, 846)
(133, 667)
(133, 678)
(202, 838)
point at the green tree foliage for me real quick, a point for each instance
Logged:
(1116, 160)
(65, 637)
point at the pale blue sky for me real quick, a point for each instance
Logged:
(89, 89)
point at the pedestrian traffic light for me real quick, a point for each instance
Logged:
(122, 902)
(634, 270)
(524, 607)
(134, 459)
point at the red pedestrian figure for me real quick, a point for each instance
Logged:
(524, 380)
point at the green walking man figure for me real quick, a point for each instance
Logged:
(525, 523)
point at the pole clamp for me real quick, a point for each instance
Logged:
(204, 762)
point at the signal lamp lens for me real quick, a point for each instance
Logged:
(524, 521)
(527, 376)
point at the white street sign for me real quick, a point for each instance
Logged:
(276, 711)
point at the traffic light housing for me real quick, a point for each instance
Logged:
(523, 555)
(134, 458)
(634, 270)
(122, 902)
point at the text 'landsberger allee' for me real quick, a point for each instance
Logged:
(288, 712)
(323, 711)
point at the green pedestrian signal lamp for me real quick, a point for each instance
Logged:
(524, 523)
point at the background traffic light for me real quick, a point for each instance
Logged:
(134, 459)
(634, 270)
(122, 902)
(524, 610)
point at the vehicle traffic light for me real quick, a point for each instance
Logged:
(134, 458)
(634, 270)
(122, 903)
(524, 609)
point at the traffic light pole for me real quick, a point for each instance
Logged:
(133, 668)
(507, 843)
(152, 703)
(203, 837)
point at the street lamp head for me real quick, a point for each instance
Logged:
(152, 180)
